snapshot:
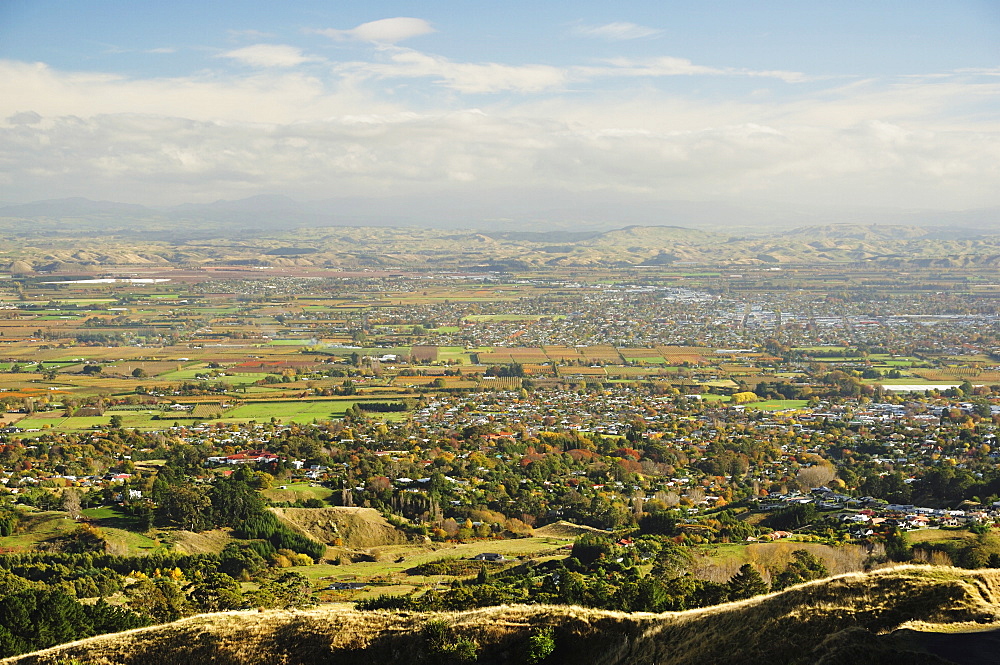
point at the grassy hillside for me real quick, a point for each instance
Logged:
(350, 527)
(900, 615)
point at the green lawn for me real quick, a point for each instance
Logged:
(300, 411)
(132, 541)
(39, 527)
(103, 513)
(142, 420)
(779, 404)
(121, 529)
(303, 411)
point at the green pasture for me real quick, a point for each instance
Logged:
(132, 541)
(103, 513)
(460, 352)
(778, 404)
(121, 529)
(40, 526)
(88, 301)
(299, 411)
(186, 374)
(55, 422)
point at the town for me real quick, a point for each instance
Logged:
(428, 440)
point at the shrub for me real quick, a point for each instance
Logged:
(541, 645)
(442, 645)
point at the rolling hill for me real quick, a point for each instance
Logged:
(900, 615)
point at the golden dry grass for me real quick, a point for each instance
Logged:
(203, 542)
(564, 529)
(354, 527)
(823, 621)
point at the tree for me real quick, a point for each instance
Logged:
(660, 522)
(591, 546)
(161, 600)
(285, 591)
(216, 592)
(39, 618)
(241, 562)
(744, 398)
(115, 422)
(803, 567)
(186, 507)
(747, 583)
(897, 546)
(541, 644)
(139, 373)
(71, 502)
(108, 618)
(817, 475)
(234, 500)
(672, 561)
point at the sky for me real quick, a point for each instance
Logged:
(872, 103)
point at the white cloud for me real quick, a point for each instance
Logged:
(274, 96)
(467, 77)
(211, 136)
(383, 31)
(269, 55)
(669, 66)
(617, 31)
(492, 77)
(165, 49)
(662, 66)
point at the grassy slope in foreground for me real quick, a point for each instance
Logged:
(842, 619)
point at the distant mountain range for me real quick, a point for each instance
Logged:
(495, 211)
